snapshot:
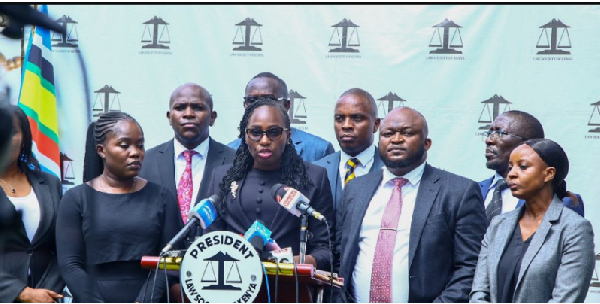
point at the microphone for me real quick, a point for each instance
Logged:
(203, 214)
(259, 235)
(292, 200)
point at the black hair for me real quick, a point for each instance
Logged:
(26, 161)
(362, 93)
(554, 156)
(93, 164)
(527, 125)
(282, 87)
(293, 169)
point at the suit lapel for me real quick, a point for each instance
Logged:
(498, 244)
(485, 186)
(377, 162)
(44, 197)
(552, 214)
(428, 190)
(334, 178)
(166, 166)
(214, 158)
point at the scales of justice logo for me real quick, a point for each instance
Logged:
(487, 117)
(595, 280)
(151, 34)
(107, 99)
(297, 114)
(393, 101)
(342, 41)
(595, 119)
(71, 38)
(442, 41)
(552, 43)
(248, 35)
(221, 267)
(67, 174)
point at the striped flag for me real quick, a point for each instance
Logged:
(38, 98)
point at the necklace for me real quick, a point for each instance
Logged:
(12, 189)
(130, 189)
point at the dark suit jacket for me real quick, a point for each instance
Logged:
(17, 254)
(332, 164)
(447, 227)
(578, 207)
(285, 227)
(557, 266)
(159, 167)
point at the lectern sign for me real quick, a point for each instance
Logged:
(221, 267)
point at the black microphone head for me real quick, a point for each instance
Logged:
(258, 244)
(275, 190)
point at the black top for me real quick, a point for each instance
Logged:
(253, 201)
(510, 265)
(96, 228)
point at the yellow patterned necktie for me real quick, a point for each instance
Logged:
(350, 166)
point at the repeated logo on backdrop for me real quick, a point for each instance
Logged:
(594, 121)
(297, 109)
(66, 43)
(344, 39)
(388, 103)
(106, 100)
(67, 174)
(248, 38)
(446, 41)
(595, 284)
(156, 37)
(492, 108)
(555, 40)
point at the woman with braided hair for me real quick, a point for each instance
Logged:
(107, 224)
(266, 157)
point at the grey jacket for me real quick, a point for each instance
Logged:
(557, 266)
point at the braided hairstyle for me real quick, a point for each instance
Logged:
(293, 170)
(93, 164)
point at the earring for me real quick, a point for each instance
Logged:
(23, 158)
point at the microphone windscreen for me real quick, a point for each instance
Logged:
(275, 189)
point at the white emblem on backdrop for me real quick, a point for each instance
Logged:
(221, 267)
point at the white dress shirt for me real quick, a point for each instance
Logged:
(369, 233)
(366, 159)
(509, 202)
(29, 208)
(198, 164)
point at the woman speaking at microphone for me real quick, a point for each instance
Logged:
(267, 157)
(107, 224)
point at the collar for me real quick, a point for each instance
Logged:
(201, 149)
(414, 176)
(497, 177)
(365, 157)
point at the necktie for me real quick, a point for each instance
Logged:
(495, 206)
(185, 189)
(350, 166)
(381, 276)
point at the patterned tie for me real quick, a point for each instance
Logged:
(495, 206)
(381, 277)
(185, 190)
(350, 166)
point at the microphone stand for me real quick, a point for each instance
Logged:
(303, 237)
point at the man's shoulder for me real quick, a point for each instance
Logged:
(458, 181)
(235, 143)
(305, 136)
(328, 159)
(159, 148)
(222, 147)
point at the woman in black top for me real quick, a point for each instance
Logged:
(109, 222)
(28, 203)
(266, 157)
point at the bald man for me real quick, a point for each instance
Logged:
(190, 115)
(410, 232)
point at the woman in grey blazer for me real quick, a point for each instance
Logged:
(542, 251)
(28, 202)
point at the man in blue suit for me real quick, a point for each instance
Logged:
(507, 132)
(266, 84)
(355, 123)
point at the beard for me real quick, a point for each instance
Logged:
(409, 161)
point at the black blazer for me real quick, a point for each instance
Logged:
(18, 254)
(159, 167)
(447, 227)
(285, 227)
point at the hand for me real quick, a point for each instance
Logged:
(38, 295)
(307, 260)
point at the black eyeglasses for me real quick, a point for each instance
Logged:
(252, 99)
(273, 133)
(494, 134)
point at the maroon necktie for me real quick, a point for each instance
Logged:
(185, 190)
(381, 276)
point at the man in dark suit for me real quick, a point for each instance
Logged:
(355, 123)
(508, 131)
(411, 232)
(310, 147)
